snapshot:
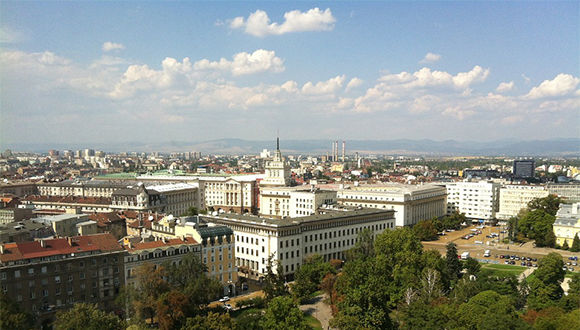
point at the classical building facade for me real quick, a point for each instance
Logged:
(330, 233)
(411, 203)
(567, 223)
(277, 171)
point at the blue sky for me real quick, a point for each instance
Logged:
(100, 71)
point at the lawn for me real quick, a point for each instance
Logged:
(499, 269)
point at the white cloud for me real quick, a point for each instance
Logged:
(258, 23)
(457, 112)
(353, 83)
(244, 63)
(430, 58)
(505, 87)
(563, 84)
(109, 46)
(477, 74)
(324, 87)
(8, 35)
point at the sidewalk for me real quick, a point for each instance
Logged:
(321, 311)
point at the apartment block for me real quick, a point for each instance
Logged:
(513, 198)
(479, 200)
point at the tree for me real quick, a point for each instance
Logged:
(308, 277)
(249, 321)
(274, 282)
(486, 311)
(364, 295)
(87, 317)
(549, 204)
(575, 244)
(213, 321)
(172, 310)
(150, 285)
(472, 266)
(425, 230)
(535, 225)
(572, 300)
(565, 246)
(364, 247)
(401, 252)
(191, 211)
(12, 316)
(452, 263)
(545, 287)
(283, 314)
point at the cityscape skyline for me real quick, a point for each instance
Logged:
(198, 71)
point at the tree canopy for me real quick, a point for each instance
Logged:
(87, 317)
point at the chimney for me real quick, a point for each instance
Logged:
(70, 241)
(1, 248)
(130, 245)
(343, 150)
(42, 243)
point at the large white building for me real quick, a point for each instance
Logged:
(478, 200)
(282, 202)
(411, 203)
(514, 197)
(290, 240)
(278, 173)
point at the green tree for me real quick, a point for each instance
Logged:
(283, 314)
(545, 287)
(213, 321)
(363, 295)
(274, 282)
(549, 204)
(427, 316)
(472, 266)
(191, 211)
(87, 317)
(550, 238)
(575, 244)
(565, 246)
(308, 277)
(535, 225)
(364, 247)
(452, 262)
(249, 321)
(488, 310)
(425, 230)
(571, 301)
(12, 316)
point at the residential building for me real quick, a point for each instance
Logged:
(138, 199)
(514, 197)
(49, 275)
(24, 231)
(71, 223)
(281, 202)
(479, 200)
(179, 197)
(567, 224)
(163, 250)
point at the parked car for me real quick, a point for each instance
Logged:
(224, 299)
(227, 306)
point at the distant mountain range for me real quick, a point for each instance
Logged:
(506, 147)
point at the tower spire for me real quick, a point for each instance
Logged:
(277, 140)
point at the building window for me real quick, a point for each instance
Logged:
(57, 279)
(43, 269)
(81, 264)
(30, 271)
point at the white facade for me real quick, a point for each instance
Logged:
(289, 240)
(478, 200)
(281, 202)
(513, 198)
(277, 171)
(411, 203)
(567, 223)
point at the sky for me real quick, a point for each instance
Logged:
(145, 71)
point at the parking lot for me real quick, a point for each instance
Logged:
(490, 238)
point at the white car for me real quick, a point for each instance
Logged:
(227, 306)
(224, 299)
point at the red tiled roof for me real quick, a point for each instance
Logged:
(60, 246)
(160, 243)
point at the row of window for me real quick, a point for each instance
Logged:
(44, 269)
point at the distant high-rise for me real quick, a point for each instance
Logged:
(524, 168)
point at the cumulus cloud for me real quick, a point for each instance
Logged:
(243, 63)
(427, 78)
(324, 87)
(258, 23)
(353, 83)
(563, 84)
(430, 58)
(505, 87)
(457, 112)
(109, 46)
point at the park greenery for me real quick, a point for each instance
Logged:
(535, 222)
